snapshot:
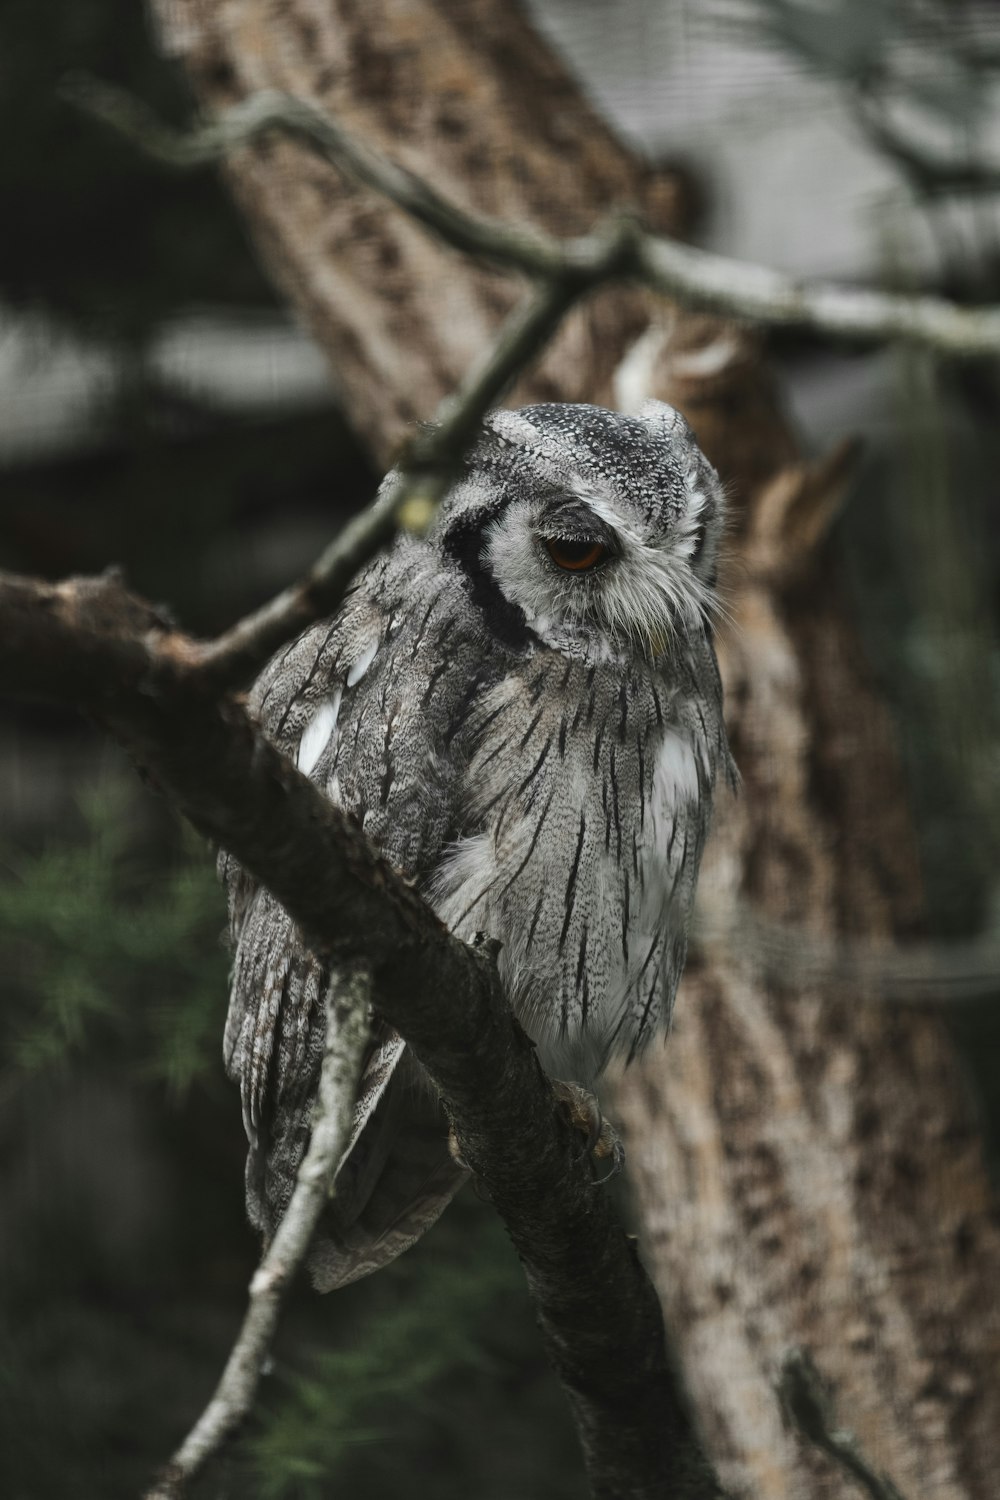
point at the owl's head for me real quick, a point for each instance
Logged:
(597, 533)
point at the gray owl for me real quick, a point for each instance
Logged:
(523, 712)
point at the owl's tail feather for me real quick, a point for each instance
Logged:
(395, 1181)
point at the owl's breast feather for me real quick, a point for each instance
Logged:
(586, 798)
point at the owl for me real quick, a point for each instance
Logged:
(522, 710)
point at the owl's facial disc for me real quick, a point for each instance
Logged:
(597, 533)
(589, 581)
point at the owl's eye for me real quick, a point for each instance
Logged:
(576, 556)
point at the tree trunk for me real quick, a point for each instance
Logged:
(805, 1164)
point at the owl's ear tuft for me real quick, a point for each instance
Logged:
(511, 429)
(663, 421)
(498, 442)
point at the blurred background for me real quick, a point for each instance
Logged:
(159, 409)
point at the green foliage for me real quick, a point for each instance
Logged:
(108, 953)
(435, 1372)
(123, 1247)
(124, 1251)
(358, 1394)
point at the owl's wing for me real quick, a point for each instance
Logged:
(681, 762)
(349, 702)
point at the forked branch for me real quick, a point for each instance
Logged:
(407, 498)
(693, 277)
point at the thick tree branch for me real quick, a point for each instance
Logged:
(90, 642)
(693, 277)
(347, 1033)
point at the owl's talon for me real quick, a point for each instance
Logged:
(490, 945)
(455, 1149)
(455, 1152)
(617, 1155)
(583, 1112)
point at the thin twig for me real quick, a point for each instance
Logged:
(347, 1033)
(696, 278)
(525, 250)
(807, 1405)
(409, 495)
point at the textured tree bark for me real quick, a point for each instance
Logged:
(805, 1165)
(806, 1168)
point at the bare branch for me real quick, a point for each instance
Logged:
(693, 277)
(730, 287)
(347, 1033)
(524, 250)
(807, 1404)
(409, 498)
(90, 642)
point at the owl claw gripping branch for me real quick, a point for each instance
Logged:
(523, 712)
(583, 1111)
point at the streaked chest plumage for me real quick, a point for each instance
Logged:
(553, 802)
(584, 813)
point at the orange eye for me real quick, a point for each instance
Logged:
(576, 556)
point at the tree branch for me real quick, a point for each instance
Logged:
(808, 1406)
(90, 642)
(525, 250)
(409, 498)
(347, 1033)
(693, 277)
(714, 283)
